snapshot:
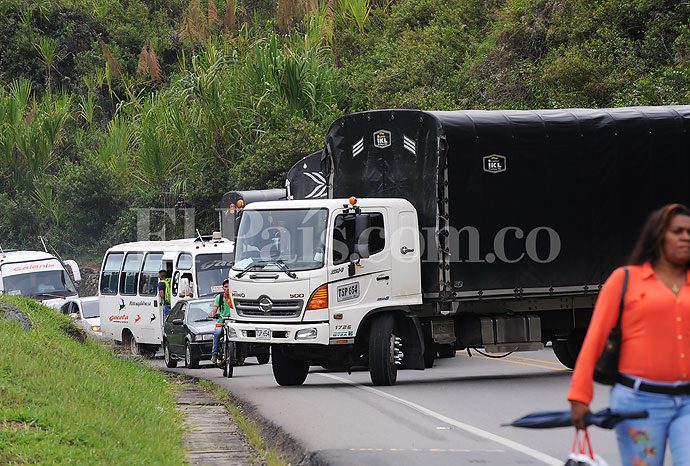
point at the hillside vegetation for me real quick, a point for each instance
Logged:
(114, 105)
(63, 402)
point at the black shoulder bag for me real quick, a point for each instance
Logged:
(606, 370)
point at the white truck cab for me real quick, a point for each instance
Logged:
(38, 275)
(300, 280)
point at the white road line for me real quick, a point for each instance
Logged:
(537, 455)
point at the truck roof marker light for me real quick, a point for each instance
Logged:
(240, 204)
(319, 299)
(353, 200)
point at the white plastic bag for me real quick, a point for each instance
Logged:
(582, 454)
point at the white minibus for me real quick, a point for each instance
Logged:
(131, 312)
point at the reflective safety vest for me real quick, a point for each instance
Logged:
(168, 291)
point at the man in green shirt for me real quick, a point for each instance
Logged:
(221, 309)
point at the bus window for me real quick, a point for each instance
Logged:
(130, 273)
(110, 275)
(149, 275)
(185, 261)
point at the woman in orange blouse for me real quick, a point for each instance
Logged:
(654, 361)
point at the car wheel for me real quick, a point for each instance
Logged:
(169, 361)
(190, 360)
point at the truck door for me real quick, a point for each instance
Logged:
(353, 295)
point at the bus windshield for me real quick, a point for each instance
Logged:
(55, 283)
(211, 270)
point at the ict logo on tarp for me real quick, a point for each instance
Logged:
(382, 139)
(494, 163)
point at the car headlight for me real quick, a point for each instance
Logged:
(203, 337)
(95, 328)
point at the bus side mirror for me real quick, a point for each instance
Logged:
(75, 269)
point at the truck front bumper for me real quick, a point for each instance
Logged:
(316, 333)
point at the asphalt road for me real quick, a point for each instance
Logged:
(448, 415)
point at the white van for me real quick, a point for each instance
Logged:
(128, 288)
(38, 275)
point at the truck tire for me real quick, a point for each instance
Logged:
(263, 358)
(229, 362)
(429, 354)
(568, 350)
(288, 371)
(445, 351)
(382, 367)
(167, 357)
(190, 359)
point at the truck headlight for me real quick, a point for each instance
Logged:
(306, 334)
(232, 333)
(95, 328)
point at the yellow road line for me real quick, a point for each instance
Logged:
(512, 361)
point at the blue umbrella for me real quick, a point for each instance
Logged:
(605, 418)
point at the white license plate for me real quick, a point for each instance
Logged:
(263, 333)
(347, 292)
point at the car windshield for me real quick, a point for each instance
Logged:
(90, 309)
(211, 270)
(199, 310)
(295, 237)
(49, 283)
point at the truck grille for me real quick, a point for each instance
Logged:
(280, 308)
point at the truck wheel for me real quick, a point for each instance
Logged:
(568, 350)
(229, 363)
(240, 354)
(560, 349)
(445, 351)
(384, 353)
(190, 360)
(429, 354)
(288, 371)
(263, 358)
(169, 361)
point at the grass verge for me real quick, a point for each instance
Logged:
(251, 431)
(62, 402)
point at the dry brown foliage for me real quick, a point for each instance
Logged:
(112, 63)
(287, 10)
(229, 20)
(31, 115)
(212, 15)
(148, 64)
(194, 26)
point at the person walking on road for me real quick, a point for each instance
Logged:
(221, 309)
(654, 364)
(164, 292)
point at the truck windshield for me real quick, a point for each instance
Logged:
(211, 270)
(294, 237)
(48, 283)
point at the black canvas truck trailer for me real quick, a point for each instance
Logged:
(520, 216)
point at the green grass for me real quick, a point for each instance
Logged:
(62, 402)
(267, 456)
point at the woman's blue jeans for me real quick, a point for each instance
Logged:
(642, 442)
